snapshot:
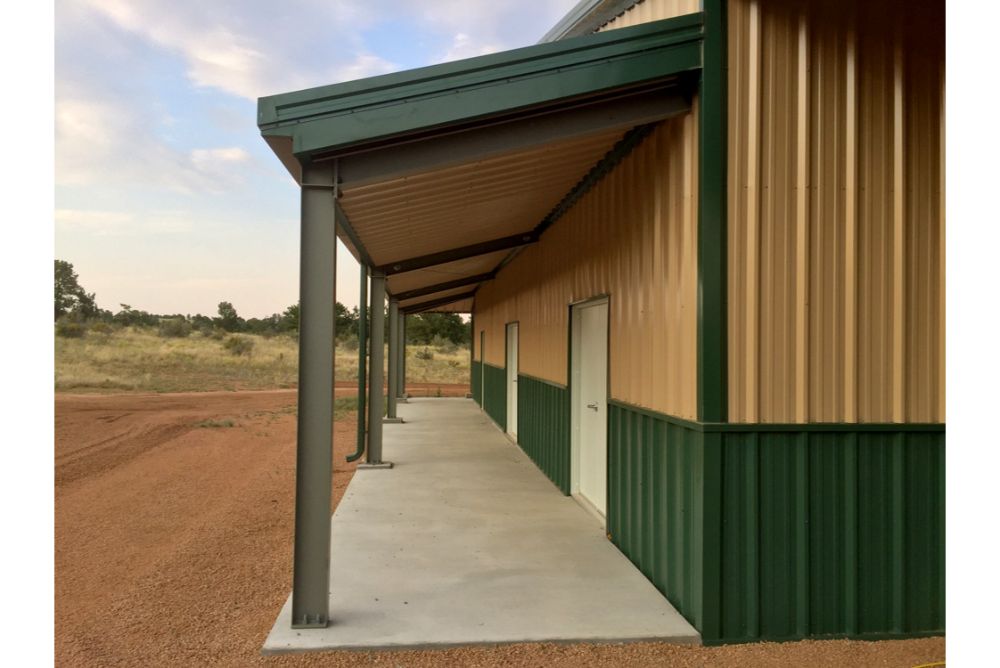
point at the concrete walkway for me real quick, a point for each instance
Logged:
(465, 542)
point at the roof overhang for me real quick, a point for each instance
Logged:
(444, 171)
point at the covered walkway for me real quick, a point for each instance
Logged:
(465, 541)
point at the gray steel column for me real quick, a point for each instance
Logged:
(392, 387)
(402, 357)
(314, 438)
(362, 363)
(375, 373)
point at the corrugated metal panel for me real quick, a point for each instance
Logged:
(655, 470)
(822, 532)
(836, 265)
(461, 306)
(652, 10)
(832, 533)
(543, 427)
(476, 381)
(407, 303)
(442, 273)
(495, 391)
(488, 199)
(632, 237)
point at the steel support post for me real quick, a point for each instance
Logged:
(402, 358)
(375, 373)
(314, 438)
(362, 360)
(392, 387)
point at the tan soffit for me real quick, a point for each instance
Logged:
(461, 306)
(443, 273)
(458, 206)
(454, 292)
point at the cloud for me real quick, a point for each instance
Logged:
(252, 49)
(121, 223)
(478, 28)
(99, 142)
(463, 46)
(363, 65)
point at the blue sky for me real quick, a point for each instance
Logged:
(166, 197)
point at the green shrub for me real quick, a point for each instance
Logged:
(216, 334)
(102, 328)
(238, 345)
(425, 354)
(70, 330)
(447, 346)
(349, 343)
(174, 328)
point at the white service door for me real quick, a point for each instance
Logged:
(592, 406)
(512, 379)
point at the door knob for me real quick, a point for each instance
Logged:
(594, 406)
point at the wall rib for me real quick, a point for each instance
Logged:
(836, 212)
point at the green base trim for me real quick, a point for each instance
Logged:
(476, 376)
(715, 642)
(805, 531)
(543, 427)
(655, 497)
(495, 389)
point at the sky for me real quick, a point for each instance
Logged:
(166, 197)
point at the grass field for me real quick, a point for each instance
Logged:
(138, 360)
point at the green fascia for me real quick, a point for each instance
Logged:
(375, 109)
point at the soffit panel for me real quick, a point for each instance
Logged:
(442, 273)
(471, 203)
(454, 292)
(461, 306)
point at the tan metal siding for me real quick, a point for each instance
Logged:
(652, 10)
(836, 214)
(631, 237)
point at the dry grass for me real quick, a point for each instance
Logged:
(137, 360)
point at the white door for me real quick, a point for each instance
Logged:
(590, 402)
(512, 379)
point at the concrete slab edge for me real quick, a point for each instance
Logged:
(391, 647)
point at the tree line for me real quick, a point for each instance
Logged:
(75, 306)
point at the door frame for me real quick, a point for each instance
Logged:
(507, 371)
(573, 376)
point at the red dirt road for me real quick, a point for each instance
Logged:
(173, 546)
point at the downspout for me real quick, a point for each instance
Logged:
(362, 357)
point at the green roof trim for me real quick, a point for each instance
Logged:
(370, 111)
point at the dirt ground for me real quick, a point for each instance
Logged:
(173, 546)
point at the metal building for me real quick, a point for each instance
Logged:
(703, 249)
